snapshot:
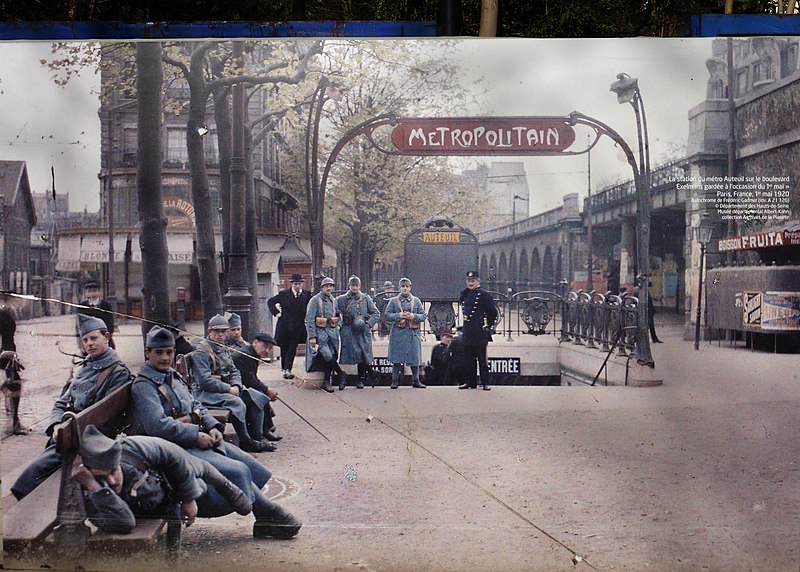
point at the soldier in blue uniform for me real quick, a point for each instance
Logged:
(480, 313)
(322, 332)
(359, 313)
(405, 315)
(162, 406)
(217, 382)
(255, 398)
(101, 373)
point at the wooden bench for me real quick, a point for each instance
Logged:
(56, 507)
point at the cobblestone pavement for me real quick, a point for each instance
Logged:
(698, 474)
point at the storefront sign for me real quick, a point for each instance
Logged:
(762, 240)
(483, 135)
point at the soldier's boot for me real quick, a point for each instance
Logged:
(326, 384)
(360, 383)
(247, 443)
(418, 384)
(342, 381)
(272, 520)
(230, 492)
(395, 382)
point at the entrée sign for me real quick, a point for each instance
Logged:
(483, 135)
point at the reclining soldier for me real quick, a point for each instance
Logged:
(259, 420)
(101, 372)
(217, 383)
(163, 406)
(141, 477)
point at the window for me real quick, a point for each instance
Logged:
(176, 145)
(756, 72)
(741, 82)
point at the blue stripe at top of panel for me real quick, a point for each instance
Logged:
(176, 30)
(711, 25)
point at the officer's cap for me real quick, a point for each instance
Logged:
(98, 451)
(218, 322)
(234, 320)
(327, 280)
(404, 282)
(88, 324)
(354, 281)
(91, 284)
(159, 337)
(473, 274)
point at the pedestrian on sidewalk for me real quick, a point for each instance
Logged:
(405, 315)
(480, 314)
(9, 361)
(359, 314)
(290, 306)
(100, 373)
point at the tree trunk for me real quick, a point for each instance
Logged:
(210, 293)
(222, 117)
(250, 236)
(153, 234)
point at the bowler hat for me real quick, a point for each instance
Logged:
(297, 278)
(265, 338)
(98, 451)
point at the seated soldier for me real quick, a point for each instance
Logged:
(458, 364)
(247, 360)
(162, 406)
(101, 373)
(436, 371)
(147, 477)
(217, 383)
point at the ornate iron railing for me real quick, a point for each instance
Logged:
(605, 322)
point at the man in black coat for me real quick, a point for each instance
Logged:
(436, 370)
(290, 307)
(12, 385)
(480, 313)
(97, 307)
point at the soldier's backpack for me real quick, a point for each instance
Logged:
(183, 362)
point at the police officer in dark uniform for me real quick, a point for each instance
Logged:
(480, 313)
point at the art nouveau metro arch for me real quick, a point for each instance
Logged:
(510, 136)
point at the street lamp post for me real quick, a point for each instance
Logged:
(627, 90)
(514, 238)
(702, 234)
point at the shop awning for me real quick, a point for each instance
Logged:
(267, 262)
(69, 254)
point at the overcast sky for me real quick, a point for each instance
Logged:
(47, 125)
